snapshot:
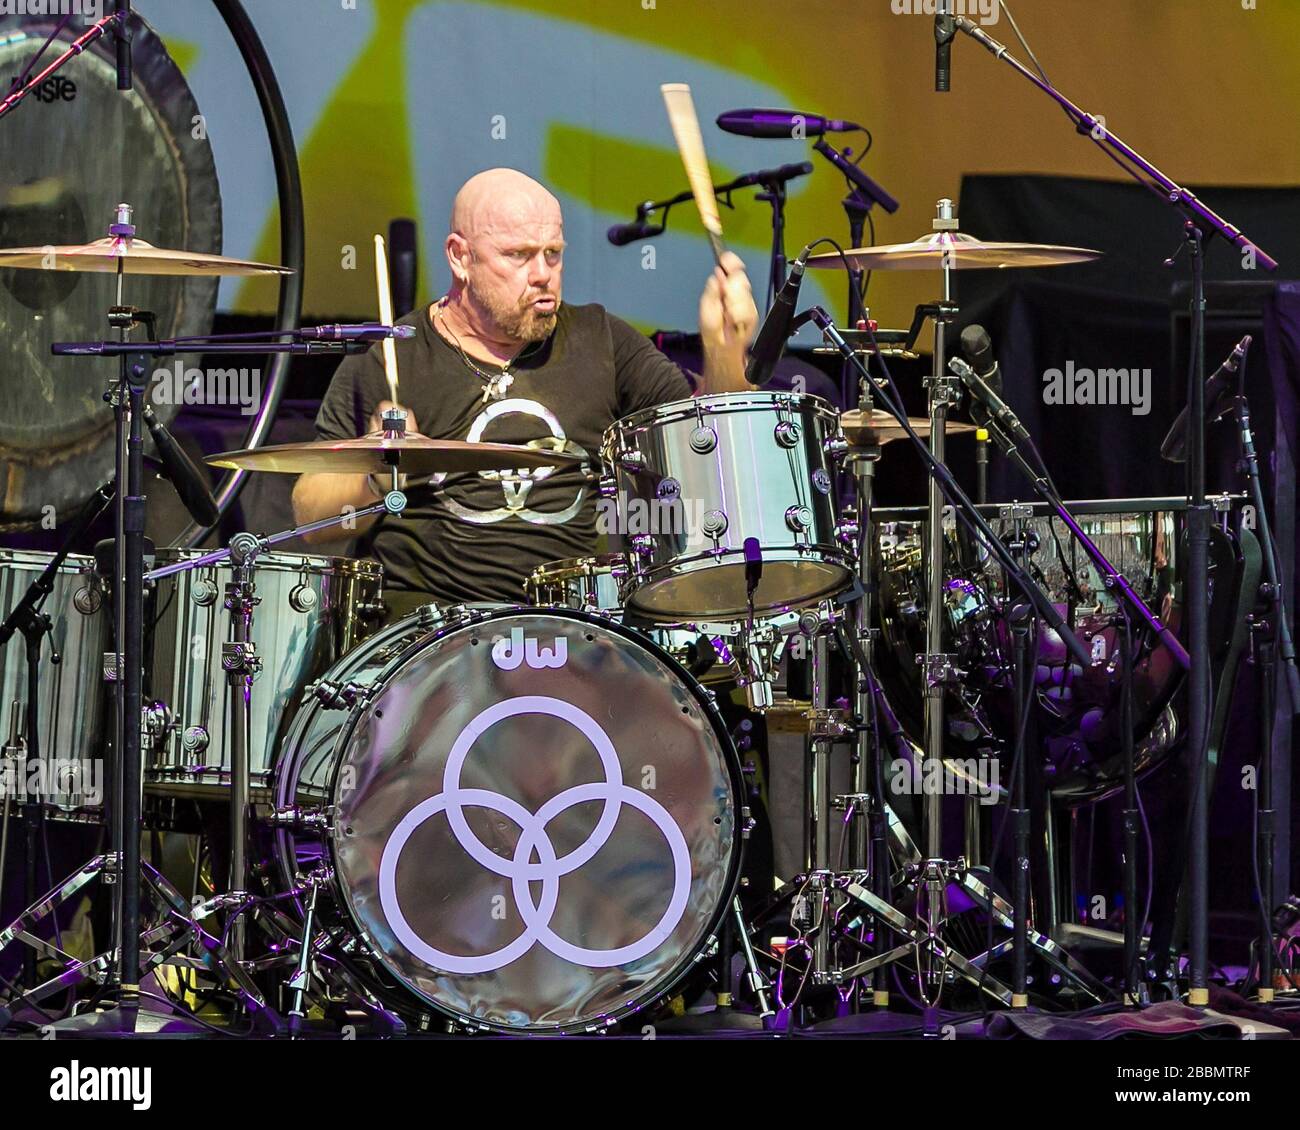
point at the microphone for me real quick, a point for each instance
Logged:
(1218, 399)
(620, 235)
(772, 334)
(983, 379)
(190, 483)
(122, 41)
(945, 30)
(362, 331)
(781, 123)
(403, 259)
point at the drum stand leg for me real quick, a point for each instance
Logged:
(758, 983)
(297, 984)
(181, 930)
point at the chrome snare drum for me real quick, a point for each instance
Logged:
(310, 610)
(507, 841)
(696, 479)
(70, 780)
(591, 584)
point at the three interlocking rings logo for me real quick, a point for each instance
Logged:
(533, 840)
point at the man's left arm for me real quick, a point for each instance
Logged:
(728, 320)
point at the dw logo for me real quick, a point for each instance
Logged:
(508, 654)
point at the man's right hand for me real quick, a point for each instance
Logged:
(322, 495)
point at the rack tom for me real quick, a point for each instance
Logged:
(309, 612)
(693, 481)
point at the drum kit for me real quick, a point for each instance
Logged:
(533, 818)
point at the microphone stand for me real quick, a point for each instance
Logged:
(1130, 602)
(1268, 636)
(1198, 220)
(96, 31)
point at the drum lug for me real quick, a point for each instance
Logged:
(156, 723)
(195, 739)
(786, 433)
(714, 524)
(798, 518)
(836, 446)
(631, 460)
(89, 599)
(337, 696)
(703, 439)
(747, 822)
(299, 819)
(643, 545)
(849, 530)
(608, 486)
(302, 598)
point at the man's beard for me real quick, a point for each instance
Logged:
(525, 323)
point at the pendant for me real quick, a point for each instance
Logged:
(496, 388)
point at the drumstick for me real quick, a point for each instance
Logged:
(690, 144)
(386, 315)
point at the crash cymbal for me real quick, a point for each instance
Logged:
(882, 428)
(956, 250)
(417, 455)
(134, 256)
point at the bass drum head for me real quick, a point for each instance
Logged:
(536, 823)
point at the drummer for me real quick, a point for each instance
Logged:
(500, 358)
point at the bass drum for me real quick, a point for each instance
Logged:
(530, 817)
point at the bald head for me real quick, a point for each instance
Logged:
(498, 200)
(505, 250)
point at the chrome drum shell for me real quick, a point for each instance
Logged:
(310, 610)
(716, 471)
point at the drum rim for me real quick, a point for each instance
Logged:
(659, 989)
(281, 562)
(727, 402)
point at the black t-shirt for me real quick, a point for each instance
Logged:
(470, 536)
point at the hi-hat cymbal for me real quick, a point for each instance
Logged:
(883, 428)
(134, 257)
(955, 250)
(417, 455)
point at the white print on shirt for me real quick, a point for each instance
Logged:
(516, 484)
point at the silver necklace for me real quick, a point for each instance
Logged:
(495, 385)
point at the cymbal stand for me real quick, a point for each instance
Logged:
(938, 669)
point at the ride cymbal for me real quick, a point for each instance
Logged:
(954, 250)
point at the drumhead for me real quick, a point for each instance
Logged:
(536, 819)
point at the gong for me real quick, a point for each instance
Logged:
(74, 149)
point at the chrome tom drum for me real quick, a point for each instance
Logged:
(694, 480)
(310, 611)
